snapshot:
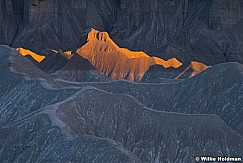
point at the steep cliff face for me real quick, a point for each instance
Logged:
(119, 63)
(209, 28)
(62, 21)
(11, 15)
(151, 24)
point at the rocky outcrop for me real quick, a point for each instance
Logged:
(119, 63)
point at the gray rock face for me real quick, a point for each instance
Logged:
(46, 119)
(210, 30)
(27, 133)
(225, 14)
(154, 136)
(37, 140)
(198, 25)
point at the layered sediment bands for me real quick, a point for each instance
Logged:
(116, 62)
(209, 28)
(151, 135)
(193, 24)
(225, 14)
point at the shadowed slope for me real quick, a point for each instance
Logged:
(24, 87)
(25, 66)
(79, 69)
(151, 135)
(119, 63)
(157, 72)
(26, 136)
(53, 62)
(218, 90)
(38, 132)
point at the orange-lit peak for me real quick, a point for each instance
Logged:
(197, 66)
(25, 52)
(97, 35)
(101, 41)
(119, 63)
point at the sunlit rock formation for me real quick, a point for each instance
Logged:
(116, 62)
(25, 52)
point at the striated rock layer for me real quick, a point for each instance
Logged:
(211, 30)
(119, 63)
